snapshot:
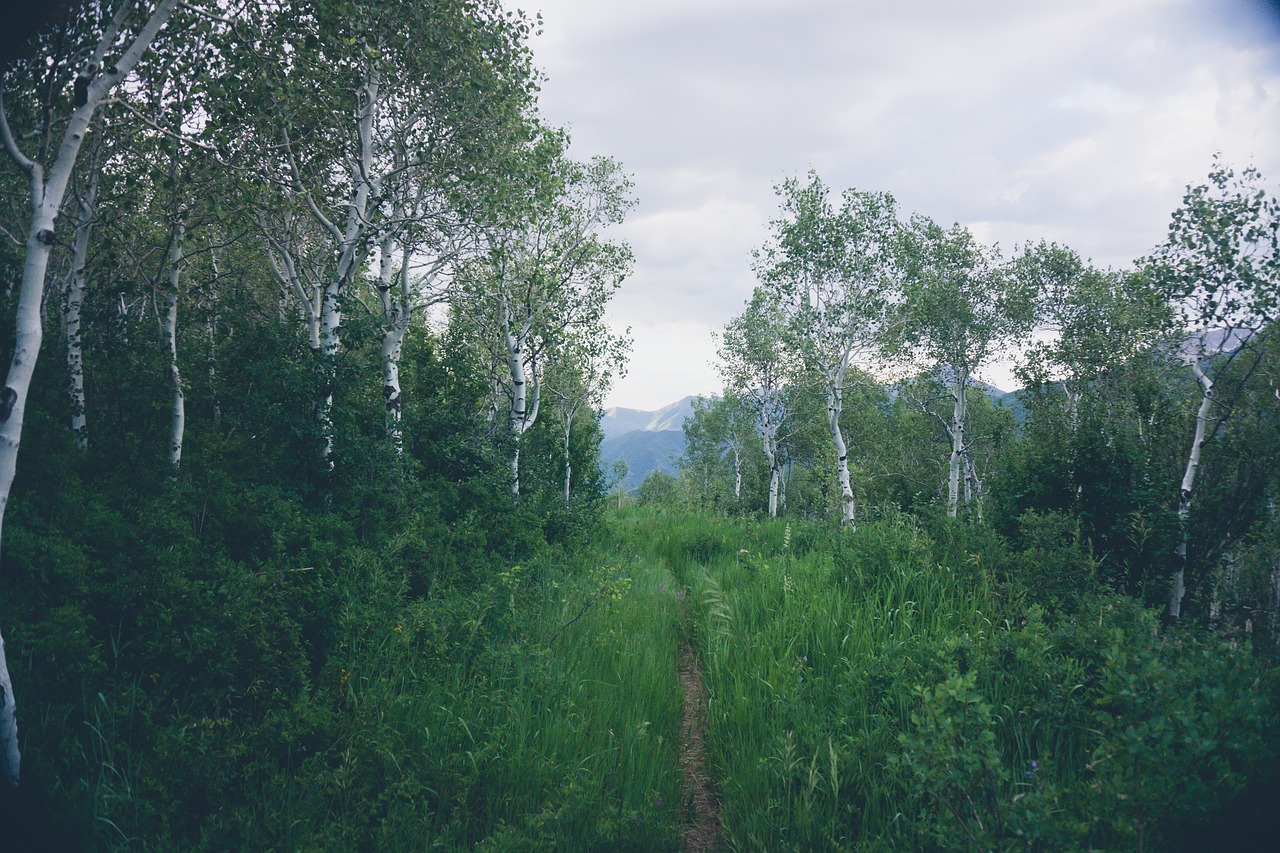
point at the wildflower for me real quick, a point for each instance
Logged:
(639, 818)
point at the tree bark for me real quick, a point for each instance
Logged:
(958, 449)
(46, 200)
(568, 465)
(76, 287)
(737, 472)
(211, 329)
(973, 486)
(1177, 589)
(524, 400)
(395, 315)
(10, 756)
(848, 505)
(772, 455)
(782, 488)
(178, 405)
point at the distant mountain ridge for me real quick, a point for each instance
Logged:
(646, 440)
(654, 440)
(619, 421)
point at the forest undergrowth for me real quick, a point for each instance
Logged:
(921, 684)
(918, 683)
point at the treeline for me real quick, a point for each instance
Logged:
(1148, 424)
(289, 287)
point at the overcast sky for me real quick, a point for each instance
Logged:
(1078, 122)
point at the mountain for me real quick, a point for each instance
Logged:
(647, 440)
(645, 451)
(653, 440)
(993, 393)
(619, 421)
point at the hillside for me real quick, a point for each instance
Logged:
(618, 421)
(644, 451)
(647, 440)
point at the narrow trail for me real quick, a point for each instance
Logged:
(703, 829)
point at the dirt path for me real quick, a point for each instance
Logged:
(703, 829)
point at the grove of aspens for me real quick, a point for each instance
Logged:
(307, 543)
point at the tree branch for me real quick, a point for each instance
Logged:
(10, 144)
(204, 146)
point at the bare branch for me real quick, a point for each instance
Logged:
(24, 162)
(204, 146)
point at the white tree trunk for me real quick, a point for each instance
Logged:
(321, 301)
(395, 322)
(211, 329)
(515, 470)
(973, 486)
(76, 288)
(958, 450)
(46, 200)
(737, 472)
(13, 399)
(774, 481)
(178, 406)
(524, 398)
(330, 346)
(1177, 589)
(782, 488)
(771, 454)
(835, 404)
(568, 465)
(1073, 404)
(767, 412)
(392, 343)
(10, 755)
(349, 243)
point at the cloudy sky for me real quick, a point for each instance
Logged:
(1078, 122)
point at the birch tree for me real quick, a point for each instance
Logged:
(583, 371)
(121, 41)
(1092, 321)
(548, 272)
(716, 432)
(1220, 271)
(404, 291)
(962, 308)
(73, 295)
(759, 370)
(831, 272)
(381, 99)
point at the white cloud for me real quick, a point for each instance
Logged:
(1076, 122)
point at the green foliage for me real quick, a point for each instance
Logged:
(380, 650)
(658, 488)
(897, 688)
(950, 752)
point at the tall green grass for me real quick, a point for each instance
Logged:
(539, 711)
(895, 688)
(898, 687)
